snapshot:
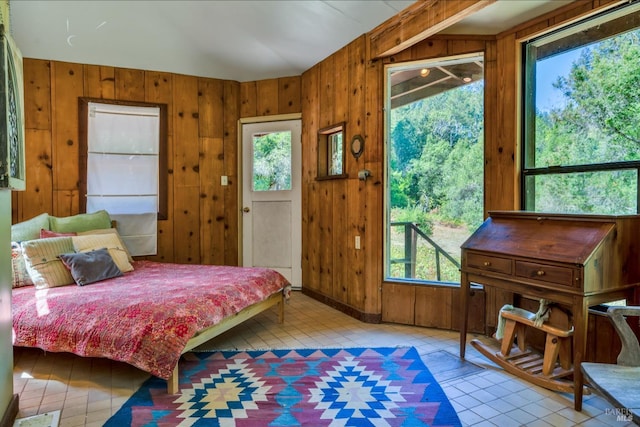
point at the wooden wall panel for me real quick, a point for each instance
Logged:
(501, 151)
(99, 82)
(311, 236)
(325, 221)
(340, 90)
(248, 99)
(431, 48)
(230, 156)
(403, 308)
(356, 189)
(186, 169)
(158, 88)
(185, 131)
(166, 235)
(267, 97)
(202, 135)
(327, 94)
(212, 235)
(426, 313)
(354, 258)
(210, 108)
(289, 95)
(310, 231)
(129, 84)
(39, 175)
(342, 242)
(373, 186)
(37, 94)
(187, 224)
(212, 206)
(38, 197)
(67, 86)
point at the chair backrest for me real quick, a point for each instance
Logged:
(630, 352)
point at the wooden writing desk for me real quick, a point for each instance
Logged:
(575, 260)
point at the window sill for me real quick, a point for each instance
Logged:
(330, 177)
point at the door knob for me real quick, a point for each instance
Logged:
(245, 209)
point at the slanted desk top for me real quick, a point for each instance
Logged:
(576, 260)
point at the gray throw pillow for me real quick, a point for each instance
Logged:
(90, 267)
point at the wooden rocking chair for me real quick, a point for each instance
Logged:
(620, 383)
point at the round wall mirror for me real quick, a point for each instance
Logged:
(357, 146)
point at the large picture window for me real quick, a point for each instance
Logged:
(581, 108)
(434, 166)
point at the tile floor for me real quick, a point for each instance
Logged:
(88, 391)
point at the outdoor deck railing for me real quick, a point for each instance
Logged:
(411, 234)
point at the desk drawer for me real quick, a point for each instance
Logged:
(545, 273)
(489, 263)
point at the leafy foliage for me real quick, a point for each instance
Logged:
(436, 156)
(271, 161)
(597, 124)
(436, 152)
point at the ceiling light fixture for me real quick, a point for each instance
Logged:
(466, 79)
(425, 72)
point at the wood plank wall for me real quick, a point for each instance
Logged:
(202, 223)
(346, 86)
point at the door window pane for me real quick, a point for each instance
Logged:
(272, 161)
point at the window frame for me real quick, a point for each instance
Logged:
(569, 34)
(445, 59)
(163, 172)
(326, 152)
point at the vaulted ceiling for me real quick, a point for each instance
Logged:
(236, 40)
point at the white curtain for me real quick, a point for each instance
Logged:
(122, 170)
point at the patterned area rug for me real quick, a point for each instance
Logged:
(322, 387)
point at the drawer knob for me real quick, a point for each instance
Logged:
(486, 263)
(540, 272)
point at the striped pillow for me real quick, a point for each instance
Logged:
(41, 258)
(18, 267)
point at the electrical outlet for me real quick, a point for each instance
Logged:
(357, 242)
(224, 180)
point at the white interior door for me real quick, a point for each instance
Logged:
(271, 197)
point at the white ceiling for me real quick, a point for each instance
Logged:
(226, 39)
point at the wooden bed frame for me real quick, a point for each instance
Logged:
(226, 324)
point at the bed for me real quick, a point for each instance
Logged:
(147, 317)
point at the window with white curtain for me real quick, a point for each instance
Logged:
(122, 149)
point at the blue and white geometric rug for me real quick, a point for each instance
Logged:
(311, 387)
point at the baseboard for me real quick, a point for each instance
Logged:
(346, 309)
(10, 414)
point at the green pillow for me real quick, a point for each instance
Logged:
(29, 229)
(81, 222)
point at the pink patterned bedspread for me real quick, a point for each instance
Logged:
(144, 318)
